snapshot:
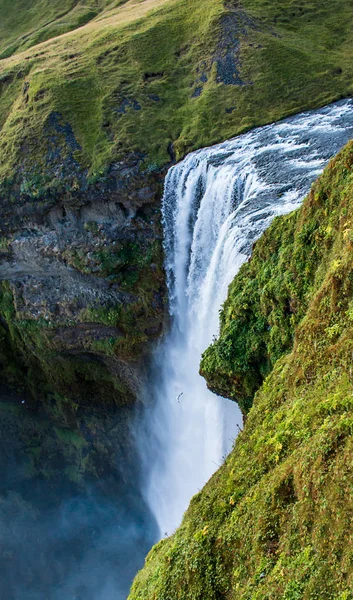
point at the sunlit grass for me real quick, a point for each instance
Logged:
(292, 56)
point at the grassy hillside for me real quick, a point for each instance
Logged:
(24, 24)
(275, 522)
(145, 74)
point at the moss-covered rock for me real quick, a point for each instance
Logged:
(270, 296)
(275, 520)
(83, 291)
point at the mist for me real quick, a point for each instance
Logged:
(63, 539)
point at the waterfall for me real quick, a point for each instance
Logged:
(216, 204)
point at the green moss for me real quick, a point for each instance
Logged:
(30, 360)
(70, 437)
(270, 296)
(23, 25)
(274, 522)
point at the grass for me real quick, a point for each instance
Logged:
(274, 522)
(125, 81)
(24, 24)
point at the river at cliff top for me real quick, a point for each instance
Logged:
(67, 537)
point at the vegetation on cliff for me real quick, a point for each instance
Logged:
(275, 520)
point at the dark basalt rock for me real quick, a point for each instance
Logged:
(76, 267)
(128, 103)
(233, 25)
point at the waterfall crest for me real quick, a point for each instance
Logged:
(216, 204)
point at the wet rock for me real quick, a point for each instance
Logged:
(126, 104)
(154, 97)
(197, 92)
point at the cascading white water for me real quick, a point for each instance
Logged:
(216, 203)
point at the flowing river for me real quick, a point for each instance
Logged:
(217, 202)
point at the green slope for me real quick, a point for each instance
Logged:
(275, 522)
(24, 24)
(146, 74)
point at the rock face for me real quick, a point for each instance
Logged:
(82, 273)
(82, 298)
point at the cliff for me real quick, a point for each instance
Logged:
(274, 521)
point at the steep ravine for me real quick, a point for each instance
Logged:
(275, 520)
(97, 99)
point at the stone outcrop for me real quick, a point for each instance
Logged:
(81, 271)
